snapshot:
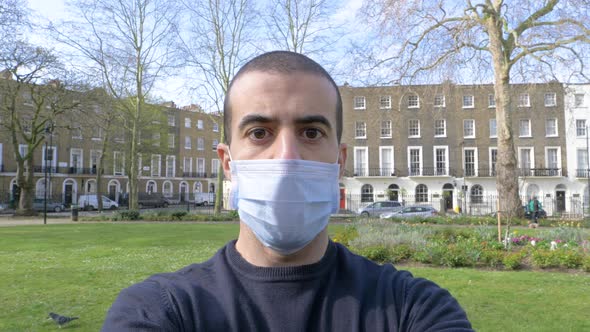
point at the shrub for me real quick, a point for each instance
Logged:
(345, 235)
(570, 259)
(492, 257)
(544, 259)
(379, 254)
(401, 252)
(128, 215)
(178, 215)
(513, 261)
(586, 264)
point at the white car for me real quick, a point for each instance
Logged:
(411, 211)
(89, 202)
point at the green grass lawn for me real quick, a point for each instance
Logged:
(79, 269)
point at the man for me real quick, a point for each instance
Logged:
(535, 208)
(283, 120)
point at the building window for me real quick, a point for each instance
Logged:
(156, 139)
(201, 167)
(187, 122)
(470, 161)
(553, 160)
(524, 128)
(187, 165)
(493, 128)
(151, 187)
(97, 133)
(441, 160)
(413, 101)
(200, 144)
(359, 103)
(493, 161)
(550, 99)
(172, 121)
(76, 131)
(386, 160)
(414, 128)
(360, 129)
(361, 161)
(199, 124)
(491, 101)
(76, 162)
(582, 161)
(167, 189)
(579, 100)
(214, 145)
(421, 193)
(551, 127)
(581, 128)
(468, 102)
(214, 167)
(215, 127)
(170, 166)
(415, 160)
(385, 102)
(439, 101)
(118, 163)
(171, 141)
(386, 129)
(525, 161)
(367, 193)
(440, 128)
(524, 100)
(187, 142)
(476, 194)
(469, 128)
(155, 166)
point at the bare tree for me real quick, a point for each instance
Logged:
(505, 40)
(32, 100)
(301, 26)
(215, 47)
(128, 46)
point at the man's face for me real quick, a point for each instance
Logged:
(283, 116)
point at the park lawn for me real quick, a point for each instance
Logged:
(79, 269)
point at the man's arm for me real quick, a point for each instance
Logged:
(141, 307)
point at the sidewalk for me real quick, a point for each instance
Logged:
(6, 221)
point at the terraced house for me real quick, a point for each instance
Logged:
(436, 144)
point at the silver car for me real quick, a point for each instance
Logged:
(411, 211)
(377, 208)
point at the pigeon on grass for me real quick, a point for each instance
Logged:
(61, 320)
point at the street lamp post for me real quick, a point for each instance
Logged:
(47, 170)
(588, 169)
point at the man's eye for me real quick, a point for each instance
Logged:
(258, 134)
(312, 133)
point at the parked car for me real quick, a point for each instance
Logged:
(155, 200)
(204, 198)
(377, 208)
(411, 211)
(89, 202)
(39, 205)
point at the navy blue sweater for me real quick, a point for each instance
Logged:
(342, 292)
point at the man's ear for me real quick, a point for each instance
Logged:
(342, 148)
(223, 153)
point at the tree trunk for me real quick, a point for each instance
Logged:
(506, 166)
(24, 180)
(99, 180)
(219, 187)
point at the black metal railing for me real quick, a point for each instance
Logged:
(541, 172)
(194, 174)
(371, 172)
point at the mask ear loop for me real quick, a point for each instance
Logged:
(229, 153)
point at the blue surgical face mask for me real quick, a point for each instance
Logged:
(285, 202)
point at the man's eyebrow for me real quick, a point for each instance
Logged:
(253, 118)
(314, 119)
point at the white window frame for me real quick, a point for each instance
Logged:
(475, 161)
(530, 133)
(171, 121)
(410, 128)
(413, 104)
(214, 166)
(444, 127)
(556, 134)
(187, 122)
(584, 127)
(493, 169)
(434, 149)
(470, 99)
(72, 151)
(215, 127)
(554, 99)
(93, 153)
(171, 141)
(441, 99)
(214, 144)
(76, 128)
(491, 100)
(387, 128)
(156, 160)
(365, 164)
(203, 171)
(188, 169)
(421, 161)
(466, 121)
(172, 159)
(558, 148)
(200, 125)
(167, 193)
(187, 143)
(200, 144)
(359, 103)
(383, 170)
(156, 137)
(532, 155)
(524, 100)
(53, 162)
(578, 103)
(495, 133)
(116, 156)
(357, 129)
(385, 102)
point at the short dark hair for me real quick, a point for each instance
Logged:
(282, 62)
